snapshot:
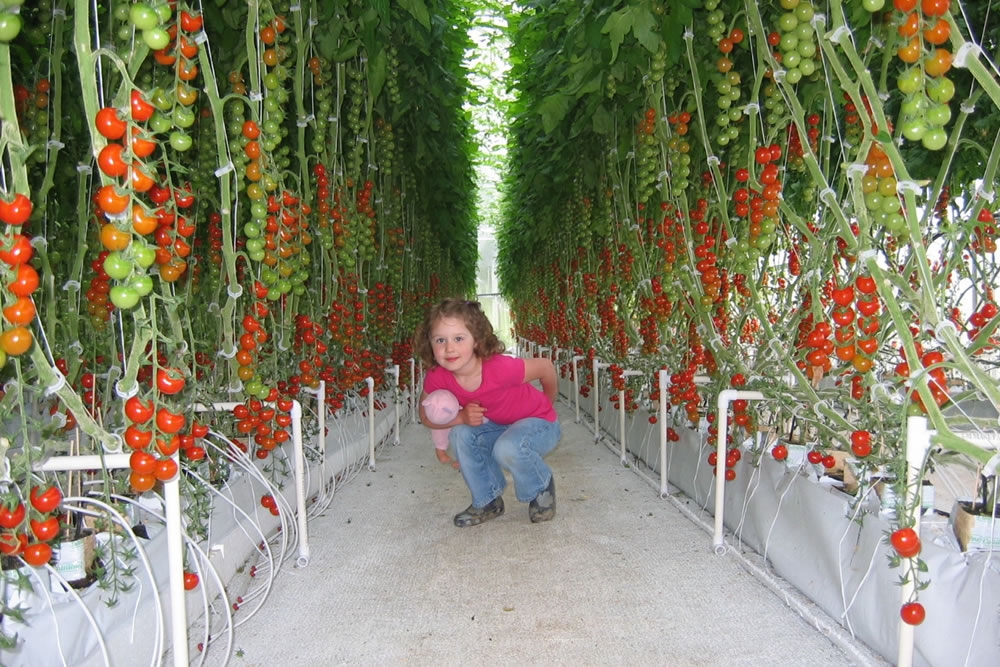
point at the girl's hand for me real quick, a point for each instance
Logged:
(472, 414)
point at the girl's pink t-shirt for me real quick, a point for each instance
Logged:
(503, 391)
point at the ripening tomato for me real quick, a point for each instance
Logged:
(906, 542)
(37, 554)
(16, 211)
(140, 108)
(16, 341)
(21, 312)
(45, 500)
(934, 7)
(111, 200)
(111, 162)
(141, 482)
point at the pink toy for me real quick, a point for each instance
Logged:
(440, 406)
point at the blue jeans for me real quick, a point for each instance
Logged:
(485, 451)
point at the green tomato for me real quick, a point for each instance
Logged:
(144, 255)
(183, 116)
(124, 297)
(160, 122)
(143, 17)
(914, 106)
(873, 5)
(914, 129)
(156, 38)
(142, 283)
(940, 90)
(162, 11)
(911, 80)
(788, 22)
(251, 230)
(935, 139)
(180, 141)
(938, 115)
(116, 266)
(10, 28)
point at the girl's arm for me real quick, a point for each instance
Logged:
(471, 414)
(541, 369)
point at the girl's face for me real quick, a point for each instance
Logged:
(453, 345)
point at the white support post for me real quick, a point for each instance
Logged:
(300, 485)
(663, 385)
(370, 381)
(597, 402)
(576, 385)
(414, 412)
(918, 440)
(175, 539)
(621, 417)
(394, 371)
(726, 397)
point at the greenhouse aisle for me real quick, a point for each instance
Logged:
(619, 577)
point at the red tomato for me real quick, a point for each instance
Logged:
(141, 109)
(190, 22)
(779, 452)
(169, 422)
(20, 251)
(12, 544)
(912, 613)
(17, 211)
(906, 542)
(190, 581)
(166, 469)
(168, 446)
(199, 430)
(142, 462)
(169, 380)
(861, 443)
(37, 554)
(111, 162)
(11, 517)
(45, 529)
(865, 284)
(137, 411)
(934, 7)
(45, 500)
(109, 124)
(815, 456)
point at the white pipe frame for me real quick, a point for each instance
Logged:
(918, 440)
(597, 399)
(621, 417)
(370, 382)
(576, 385)
(663, 385)
(726, 396)
(175, 542)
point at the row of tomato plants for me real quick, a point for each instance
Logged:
(789, 196)
(208, 203)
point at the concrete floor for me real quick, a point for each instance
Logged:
(619, 577)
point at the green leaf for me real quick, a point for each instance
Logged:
(553, 109)
(618, 25)
(377, 68)
(604, 122)
(418, 10)
(645, 29)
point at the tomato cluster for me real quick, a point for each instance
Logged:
(795, 40)
(19, 277)
(924, 31)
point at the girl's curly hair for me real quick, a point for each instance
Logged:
(471, 313)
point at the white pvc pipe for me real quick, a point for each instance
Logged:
(300, 484)
(662, 384)
(175, 541)
(175, 564)
(371, 422)
(414, 412)
(597, 405)
(395, 404)
(621, 417)
(299, 456)
(726, 396)
(576, 386)
(918, 440)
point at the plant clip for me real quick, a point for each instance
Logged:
(224, 169)
(945, 326)
(124, 392)
(961, 57)
(234, 293)
(902, 187)
(59, 383)
(837, 35)
(228, 354)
